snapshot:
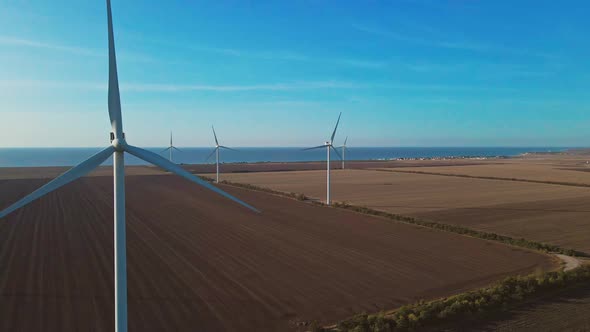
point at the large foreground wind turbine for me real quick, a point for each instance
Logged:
(170, 148)
(117, 149)
(344, 148)
(328, 145)
(216, 152)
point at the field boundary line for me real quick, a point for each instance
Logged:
(461, 230)
(497, 178)
(502, 295)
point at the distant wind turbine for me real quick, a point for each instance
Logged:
(344, 148)
(170, 148)
(216, 152)
(117, 149)
(328, 145)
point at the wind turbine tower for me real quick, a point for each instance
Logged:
(344, 148)
(216, 152)
(170, 148)
(329, 146)
(117, 149)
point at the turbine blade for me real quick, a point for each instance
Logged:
(155, 159)
(171, 139)
(337, 153)
(211, 154)
(72, 174)
(315, 147)
(166, 149)
(334, 132)
(225, 147)
(177, 149)
(114, 96)
(345, 140)
(215, 135)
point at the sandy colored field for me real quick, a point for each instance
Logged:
(199, 263)
(541, 212)
(525, 171)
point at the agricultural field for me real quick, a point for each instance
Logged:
(198, 262)
(314, 165)
(548, 213)
(563, 311)
(567, 174)
(50, 172)
(13, 173)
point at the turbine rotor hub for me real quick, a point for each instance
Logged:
(119, 144)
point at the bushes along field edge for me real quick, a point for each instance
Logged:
(499, 296)
(518, 242)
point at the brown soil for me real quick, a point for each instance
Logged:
(336, 164)
(51, 172)
(567, 310)
(531, 172)
(200, 263)
(11, 173)
(541, 212)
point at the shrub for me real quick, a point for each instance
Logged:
(316, 327)
(499, 296)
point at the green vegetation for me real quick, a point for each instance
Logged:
(497, 297)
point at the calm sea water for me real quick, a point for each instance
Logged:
(20, 157)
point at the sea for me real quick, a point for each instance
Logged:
(30, 157)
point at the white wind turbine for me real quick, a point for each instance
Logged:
(344, 148)
(170, 148)
(328, 145)
(216, 152)
(117, 148)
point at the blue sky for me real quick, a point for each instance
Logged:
(404, 73)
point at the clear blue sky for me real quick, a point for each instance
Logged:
(404, 73)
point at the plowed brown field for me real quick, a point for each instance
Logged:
(200, 263)
(568, 310)
(542, 212)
